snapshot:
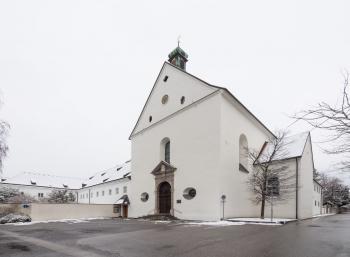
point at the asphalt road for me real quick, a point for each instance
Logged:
(321, 237)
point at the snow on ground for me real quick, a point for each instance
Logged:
(214, 223)
(69, 221)
(258, 220)
(322, 215)
(230, 222)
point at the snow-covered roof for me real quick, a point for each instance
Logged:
(292, 147)
(115, 173)
(45, 180)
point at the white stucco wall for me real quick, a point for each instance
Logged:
(316, 199)
(286, 206)
(233, 183)
(42, 212)
(306, 187)
(178, 84)
(115, 187)
(194, 137)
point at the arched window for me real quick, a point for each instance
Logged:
(165, 150)
(243, 153)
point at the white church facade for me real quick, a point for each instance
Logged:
(186, 153)
(186, 150)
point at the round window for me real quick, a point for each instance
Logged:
(165, 99)
(144, 197)
(189, 193)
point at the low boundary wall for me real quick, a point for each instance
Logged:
(48, 211)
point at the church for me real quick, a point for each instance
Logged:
(186, 150)
(187, 158)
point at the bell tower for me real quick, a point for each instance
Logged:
(178, 57)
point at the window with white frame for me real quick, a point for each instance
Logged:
(110, 191)
(125, 189)
(117, 190)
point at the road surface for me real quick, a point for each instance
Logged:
(320, 237)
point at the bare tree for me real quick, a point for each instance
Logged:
(335, 119)
(334, 190)
(270, 179)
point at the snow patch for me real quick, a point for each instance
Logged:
(323, 215)
(264, 221)
(69, 221)
(214, 223)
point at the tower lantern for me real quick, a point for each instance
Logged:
(178, 57)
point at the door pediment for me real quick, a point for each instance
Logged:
(163, 168)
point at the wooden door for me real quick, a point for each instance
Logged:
(125, 211)
(164, 195)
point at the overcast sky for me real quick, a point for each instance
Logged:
(74, 75)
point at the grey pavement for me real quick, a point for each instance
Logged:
(320, 237)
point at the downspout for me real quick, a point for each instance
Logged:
(296, 189)
(89, 195)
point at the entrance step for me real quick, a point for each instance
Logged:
(159, 217)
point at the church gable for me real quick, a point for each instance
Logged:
(173, 90)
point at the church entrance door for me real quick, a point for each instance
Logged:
(164, 195)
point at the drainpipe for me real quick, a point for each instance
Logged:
(296, 188)
(89, 196)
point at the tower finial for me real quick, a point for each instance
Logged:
(178, 40)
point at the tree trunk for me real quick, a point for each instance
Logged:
(262, 211)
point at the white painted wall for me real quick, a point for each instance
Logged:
(316, 199)
(286, 207)
(178, 84)
(305, 201)
(194, 136)
(43, 212)
(108, 193)
(233, 183)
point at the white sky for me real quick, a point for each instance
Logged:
(74, 75)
